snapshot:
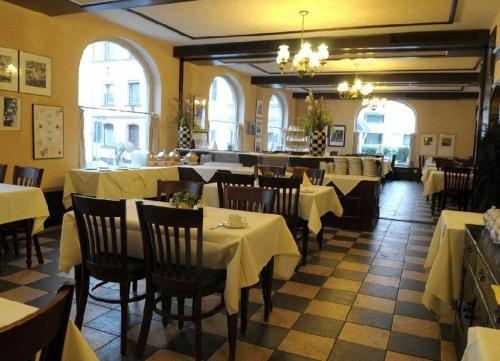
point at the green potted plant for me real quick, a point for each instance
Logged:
(185, 121)
(314, 123)
(184, 200)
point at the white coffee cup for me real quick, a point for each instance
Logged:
(235, 220)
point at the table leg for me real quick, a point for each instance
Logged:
(232, 329)
(433, 202)
(319, 238)
(28, 227)
(305, 241)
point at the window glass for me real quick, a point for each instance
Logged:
(275, 124)
(134, 96)
(222, 114)
(133, 134)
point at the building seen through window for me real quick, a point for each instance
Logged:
(275, 123)
(222, 114)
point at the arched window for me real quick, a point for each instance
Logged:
(222, 114)
(387, 130)
(275, 123)
(114, 83)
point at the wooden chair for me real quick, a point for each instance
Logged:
(456, 186)
(175, 269)
(228, 179)
(167, 188)
(316, 176)
(43, 330)
(273, 171)
(253, 199)
(3, 172)
(102, 230)
(421, 164)
(287, 204)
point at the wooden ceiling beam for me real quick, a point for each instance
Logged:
(128, 4)
(418, 95)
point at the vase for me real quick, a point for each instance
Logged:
(317, 144)
(185, 136)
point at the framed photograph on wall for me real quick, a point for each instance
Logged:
(10, 113)
(258, 144)
(48, 132)
(259, 111)
(9, 65)
(336, 136)
(428, 143)
(35, 74)
(446, 145)
(251, 128)
(258, 127)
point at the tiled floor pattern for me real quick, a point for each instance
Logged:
(357, 299)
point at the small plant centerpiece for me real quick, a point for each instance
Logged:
(184, 200)
(317, 118)
(185, 121)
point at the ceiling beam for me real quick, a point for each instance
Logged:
(403, 95)
(128, 4)
(453, 41)
(377, 78)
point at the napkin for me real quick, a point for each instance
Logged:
(496, 291)
(306, 182)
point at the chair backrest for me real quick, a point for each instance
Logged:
(43, 330)
(316, 176)
(172, 261)
(297, 172)
(287, 194)
(456, 179)
(166, 189)
(250, 199)
(103, 242)
(3, 171)
(275, 171)
(229, 179)
(27, 176)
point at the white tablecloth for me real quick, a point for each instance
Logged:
(483, 344)
(346, 183)
(434, 183)
(207, 171)
(314, 202)
(18, 202)
(426, 171)
(444, 260)
(244, 252)
(75, 348)
(386, 167)
(116, 184)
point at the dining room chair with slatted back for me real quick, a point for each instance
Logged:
(102, 231)
(456, 186)
(43, 330)
(421, 164)
(3, 172)
(167, 188)
(316, 176)
(173, 253)
(269, 170)
(253, 199)
(229, 179)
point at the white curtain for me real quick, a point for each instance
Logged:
(154, 133)
(413, 137)
(356, 143)
(82, 161)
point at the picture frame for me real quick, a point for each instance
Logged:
(336, 136)
(9, 66)
(48, 132)
(10, 112)
(35, 74)
(446, 145)
(258, 144)
(428, 143)
(259, 111)
(258, 127)
(251, 128)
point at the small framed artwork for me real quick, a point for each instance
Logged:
(258, 144)
(258, 127)
(48, 132)
(446, 145)
(259, 112)
(10, 113)
(251, 128)
(9, 64)
(35, 74)
(428, 143)
(336, 136)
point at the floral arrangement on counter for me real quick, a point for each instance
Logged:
(184, 200)
(185, 116)
(317, 117)
(120, 149)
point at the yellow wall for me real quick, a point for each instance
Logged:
(433, 116)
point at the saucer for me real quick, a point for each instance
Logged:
(227, 225)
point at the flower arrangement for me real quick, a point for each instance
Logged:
(317, 117)
(185, 117)
(184, 200)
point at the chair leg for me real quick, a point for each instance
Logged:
(232, 327)
(38, 251)
(134, 286)
(146, 321)
(14, 242)
(197, 326)
(305, 242)
(180, 311)
(27, 229)
(244, 308)
(124, 297)
(166, 304)
(82, 301)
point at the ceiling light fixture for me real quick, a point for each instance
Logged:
(358, 90)
(305, 61)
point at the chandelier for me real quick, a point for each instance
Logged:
(374, 103)
(358, 90)
(305, 61)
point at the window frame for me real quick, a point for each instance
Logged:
(280, 101)
(235, 123)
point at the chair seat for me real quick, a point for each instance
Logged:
(212, 280)
(136, 269)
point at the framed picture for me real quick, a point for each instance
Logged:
(446, 145)
(258, 127)
(251, 128)
(9, 64)
(336, 136)
(259, 112)
(199, 111)
(48, 132)
(428, 144)
(35, 74)
(258, 144)
(10, 112)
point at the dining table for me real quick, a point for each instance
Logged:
(346, 183)
(444, 260)
(75, 346)
(207, 171)
(243, 252)
(483, 344)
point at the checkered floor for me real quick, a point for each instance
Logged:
(357, 299)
